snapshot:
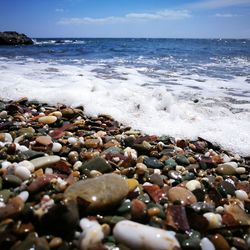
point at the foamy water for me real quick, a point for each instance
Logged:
(159, 101)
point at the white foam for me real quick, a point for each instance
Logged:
(138, 100)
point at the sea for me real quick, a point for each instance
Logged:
(185, 88)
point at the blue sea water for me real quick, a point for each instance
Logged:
(181, 87)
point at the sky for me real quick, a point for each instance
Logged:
(127, 18)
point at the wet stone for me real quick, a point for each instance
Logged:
(30, 154)
(11, 181)
(156, 179)
(182, 160)
(5, 194)
(202, 207)
(100, 192)
(45, 161)
(219, 242)
(226, 188)
(153, 162)
(184, 196)
(98, 164)
(174, 175)
(170, 162)
(225, 170)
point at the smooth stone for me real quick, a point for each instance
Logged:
(225, 169)
(31, 154)
(26, 131)
(226, 188)
(238, 213)
(139, 236)
(47, 119)
(44, 140)
(170, 162)
(219, 242)
(45, 161)
(12, 180)
(132, 184)
(183, 195)
(124, 207)
(22, 172)
(215, 220)
(100, 192)
(153, 162)
(231, 164)
(191, 243)
(189, 176)
(99, 164)
(56, 147)
(193, 184)
(182, 160)
(174, 175)
(5, 194)
(92, 233)
(206, 244)
(241, 195)
(27, 164)
(92, 143)
(203, 207)
(156, 179)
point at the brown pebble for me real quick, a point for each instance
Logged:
(55, 242)
(220, 242)
(183, 195)
(154, 211)
(138, 210)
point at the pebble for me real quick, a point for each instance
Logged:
(24, 195)
(206, 244)
(92, 233)
(47, 119)
(28, 165)
(100, 192)
(183, 195)
(56, 147)
(72, 140)
(139, 236)
(182, 160)
(132, 184)
(240, 170)
(99, 164)
(241, 195)
(44, 140)
(44, 161)
(225, 169)
(215, 220)
(22, 172)
(153, 162)
(219, 242)
(193, 184)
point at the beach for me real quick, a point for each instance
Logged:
(74, 181)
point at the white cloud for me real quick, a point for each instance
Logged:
(226, 15)
(215, 4)
(130, 17)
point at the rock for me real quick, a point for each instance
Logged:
(92, 234)
(56, 147)
(98, 164)
(22, 172)
(219, 242)
(193, 184)
(156, 179)
(132, 184)
(215, 220)
(47, 119)
(153, 162)
(182, 195)
(225, 169)
(100, 192)
(14, 38)
(226, 188)
(241, 195)
(138, 236)
(182, 160)
(206, 244)
(170, 162)
(44, 140)
(45, 161)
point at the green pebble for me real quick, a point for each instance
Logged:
(191, 243)
(98, 164)
(12, 180)
(188, 177)
(170, 163)
(5, 194)
(182, 160)
(144, 198)
(124, 207)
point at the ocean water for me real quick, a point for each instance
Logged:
(180, 87)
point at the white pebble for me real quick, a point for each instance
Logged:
(219, 209)
(77, 165)
(48, 171)
(22, 148)
(56, 147)
(22, 172)
(28, 165)
(231, 163)
(2, 204)
(24, 195)
(213, 219)
(92, 233)
(19, 139)
(241, 194)
(193, 184)
(45, 161)
(138, 236)
(240, 170)
(206, 244)
(129, 152)
(157, 171)
(72, 140)
(5, 164)
(8, 138)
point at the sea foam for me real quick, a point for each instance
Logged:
(138, 99)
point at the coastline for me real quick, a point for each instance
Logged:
(46, 149)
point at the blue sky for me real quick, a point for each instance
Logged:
(127, 18)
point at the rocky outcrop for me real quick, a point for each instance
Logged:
(14, 38)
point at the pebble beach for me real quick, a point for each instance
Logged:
(73, 181)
